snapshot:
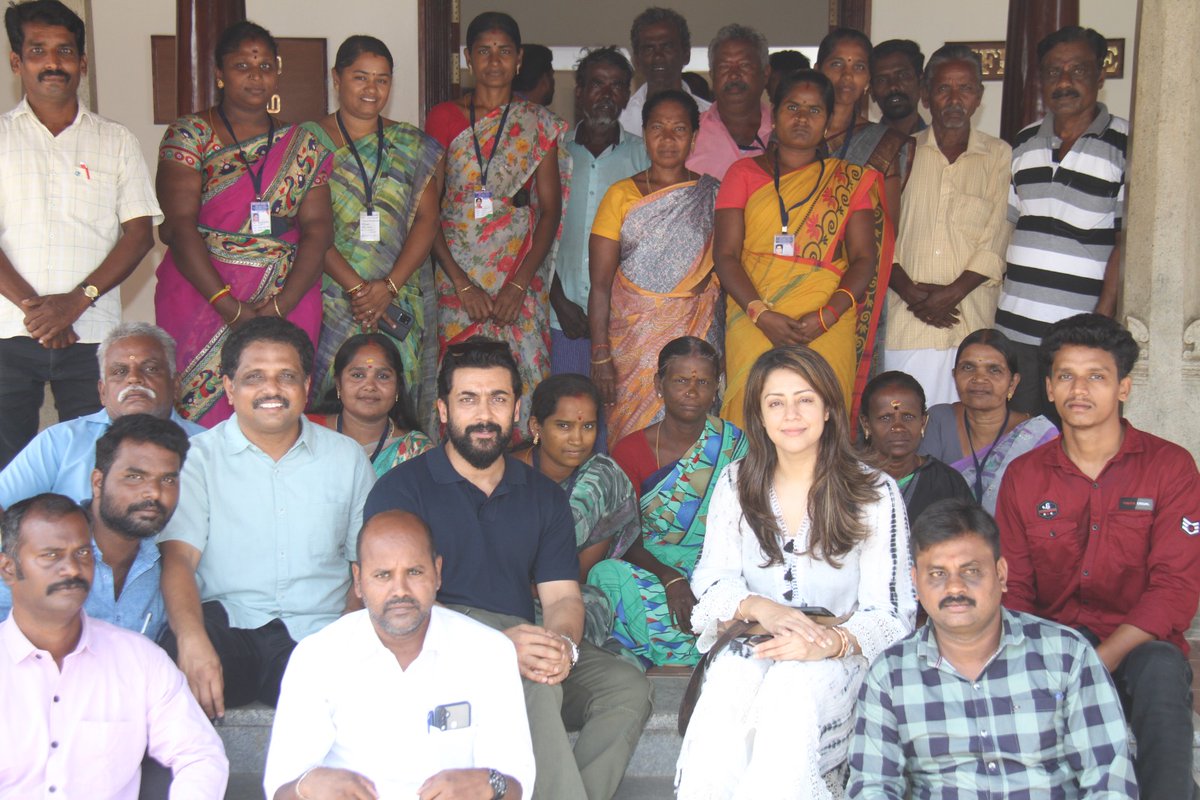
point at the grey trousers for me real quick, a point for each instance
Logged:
(605, 698)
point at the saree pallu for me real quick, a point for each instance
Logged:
(1031, 433)
(664, 288)
(674, 510)
(491, 249)
(799, 284)
(409, 161)
(254, 265)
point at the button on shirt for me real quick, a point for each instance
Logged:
(61, 458)
(332, 711)
(1124, 548)
(590, 178)
(82, 732)
(493, 546)
(1043, 720)
(62, 201)
(275, 537)
(953, 218)
(716, 150)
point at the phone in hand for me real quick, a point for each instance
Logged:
(396, 322)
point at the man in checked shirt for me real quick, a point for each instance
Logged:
(983, 702)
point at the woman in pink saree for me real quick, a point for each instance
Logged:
(247, 220)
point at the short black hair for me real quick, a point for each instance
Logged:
(245, 31)
(48, 504)
(809, 76)
(610, 55)
(41, 12)
(265, 329)
(687, 346)
(888, 379)
(536, 61)
(951, 518)
(556, 387)
(785, 61)
(673, 96)
(401, 412)
(478, 352)
(1074, 33)
(838, 35)
(905, 47)
(355, 46)
(141, 428)
(994, 339)
(1090, 330)
(494, 21)
(654, 15)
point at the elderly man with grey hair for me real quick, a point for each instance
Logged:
(137, 376)
(738, 125)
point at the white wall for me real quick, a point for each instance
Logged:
(942, 21)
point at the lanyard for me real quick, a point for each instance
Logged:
(255, 180)
(368, 185)
(784, 211)
(483, 167)
(382, 439)
(987, 455)
(849, 137)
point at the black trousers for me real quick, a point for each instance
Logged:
(1030, 394)
(252, 660)
(25, 368)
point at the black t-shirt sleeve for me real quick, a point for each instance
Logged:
(556, 559)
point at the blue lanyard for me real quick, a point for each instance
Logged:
(368, 185)
(784, 211)
(483, 167)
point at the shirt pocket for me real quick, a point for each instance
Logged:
(92, 199)
(1128, 538)
(970, 215)
(1036, 721)
(1055, 547)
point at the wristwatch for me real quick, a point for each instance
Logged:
(498, 783)
(90, 292)
(574, 648)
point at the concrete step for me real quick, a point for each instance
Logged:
(247, 786)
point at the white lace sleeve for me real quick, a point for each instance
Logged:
(718, 580)
(887, 603)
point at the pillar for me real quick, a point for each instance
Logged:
(1161, 277)
(1029, 21)
(198, 25)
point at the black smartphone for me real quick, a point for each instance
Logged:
(450, 717)
(815, 611)
(396, 322)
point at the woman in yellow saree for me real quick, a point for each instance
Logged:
(802, 246)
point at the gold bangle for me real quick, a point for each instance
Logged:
(850, 294)
(392, 287)
(235, 316)
(466, 288)
(755, 309)
(275, 302)
(356, 289)
(668, 584)
(845, 637)
(596, 362)
(226, 289)
(517, 285)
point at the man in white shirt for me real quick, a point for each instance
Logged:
(662, 47)
(76, 216)
(402, 698)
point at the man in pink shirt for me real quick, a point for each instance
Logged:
(86, 701)
(738, 124)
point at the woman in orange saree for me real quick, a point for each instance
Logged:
(650, 256)
(802, 246)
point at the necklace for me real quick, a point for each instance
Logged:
(649, 187)
(657, 436)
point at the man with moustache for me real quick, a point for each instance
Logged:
(1067, 198)
(135, 487)
(76, 216)
(739, 124)
(501, 526)
(896, 69)
(453, 708)
(137, 376)
(602, 153)
(84, 700)
(953, 232)
(257, 554)
(662, 47)
(984, 701)
(1101, 531)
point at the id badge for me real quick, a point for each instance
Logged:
(483, 204)
(785, 244)
(368, 226)
(260, 217)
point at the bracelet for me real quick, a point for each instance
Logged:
(275, 302)
(845, 637)
(821, 316)
(596, 362)
(850, 294)
(392, 287)
(597, 347)
(299, 781)
(517, 285)
(761, 306)
(356, 289)
(674, 580)
(226, 289)
(466, 288)
(235, 316)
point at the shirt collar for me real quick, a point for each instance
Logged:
(236, 441)
(713, 117)
(1132, 441)
(927, 138)
(1011, 633)
(1098, 127)
(20, 648)
(82, 113)
(444, 472)
(623, 138)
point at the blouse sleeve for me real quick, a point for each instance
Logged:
(736, 187)
(611, 213)
(182, 143)
(887, 603)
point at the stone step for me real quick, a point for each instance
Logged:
(248, 786)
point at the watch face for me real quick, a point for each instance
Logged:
(91, 291)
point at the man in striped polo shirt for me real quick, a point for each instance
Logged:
(1066, 200)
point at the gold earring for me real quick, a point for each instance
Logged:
(1010, 395)
(537, 439)
(220, 83)
(339, 393)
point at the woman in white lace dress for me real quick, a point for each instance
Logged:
(799, 522)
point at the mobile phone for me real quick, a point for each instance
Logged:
(815, 611)
(396, 322)
(450, 717)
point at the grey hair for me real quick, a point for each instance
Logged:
(127, 330)
(739, 33)
(952, 52)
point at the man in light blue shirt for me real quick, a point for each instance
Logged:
(258, 554)
(134, 491)
(137, 376)
(602, 154)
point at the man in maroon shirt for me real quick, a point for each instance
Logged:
(1101, 531)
